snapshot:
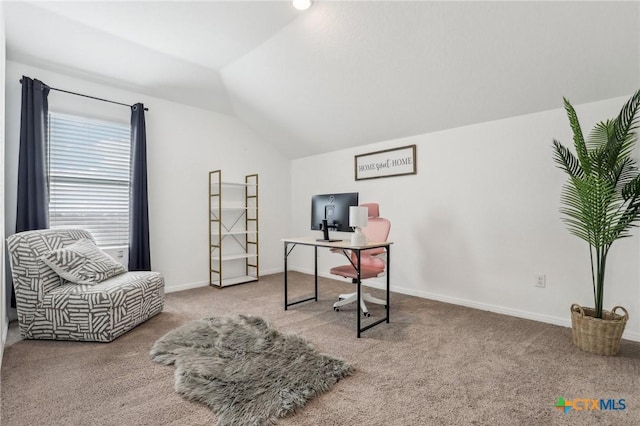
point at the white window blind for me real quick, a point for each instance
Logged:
(89, 164)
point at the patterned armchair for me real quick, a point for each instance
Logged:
(52, 308)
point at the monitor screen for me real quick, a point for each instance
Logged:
(334, 208)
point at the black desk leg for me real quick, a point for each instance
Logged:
(315, 248)
(388, 275)
(287, 252)
(285, 274)
(359, 284)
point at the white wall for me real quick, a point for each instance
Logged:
(480, 219)
(183, 145)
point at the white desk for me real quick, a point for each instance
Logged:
(344, 245)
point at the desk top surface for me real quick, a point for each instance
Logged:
(343, 244)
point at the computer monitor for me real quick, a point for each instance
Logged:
(334, 209)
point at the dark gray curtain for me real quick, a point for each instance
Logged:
(33, 192)
(139, 254)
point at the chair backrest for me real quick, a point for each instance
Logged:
(32, 278)
(376, 230)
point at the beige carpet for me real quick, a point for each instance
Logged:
(434, 364)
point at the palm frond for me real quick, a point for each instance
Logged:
(631, 198)
(631, 190)
(601, 134)
(566, 160)
(626, 122)
(623, 172)
(605, 146)
(578, 138)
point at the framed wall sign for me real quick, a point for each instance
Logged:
(390, 162)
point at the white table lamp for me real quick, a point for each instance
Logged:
(358, 219)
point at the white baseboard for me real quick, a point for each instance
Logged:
(189, 286)
(549, 319)
(186, 286)
(5, 332)
(271, 271)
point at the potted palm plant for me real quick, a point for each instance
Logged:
(600, 204)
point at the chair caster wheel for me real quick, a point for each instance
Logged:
(335, 308)
(366, 314)
(340, 298)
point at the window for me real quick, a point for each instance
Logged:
(89, 172)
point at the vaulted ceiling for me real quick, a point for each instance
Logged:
(340, 74)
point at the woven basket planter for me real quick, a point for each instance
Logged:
(600, 336)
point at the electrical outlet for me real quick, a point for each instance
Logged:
(120, 254)
(541, 280)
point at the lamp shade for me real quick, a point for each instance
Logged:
(358, 216)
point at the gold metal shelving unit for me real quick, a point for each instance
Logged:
(233, 230)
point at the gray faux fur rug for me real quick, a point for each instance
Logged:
(247, 372)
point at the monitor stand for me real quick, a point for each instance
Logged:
(325, 235)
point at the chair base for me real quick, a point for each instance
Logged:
(347, 298)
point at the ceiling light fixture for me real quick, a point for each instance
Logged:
(302, 4)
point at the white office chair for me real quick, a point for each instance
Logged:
(373, 262)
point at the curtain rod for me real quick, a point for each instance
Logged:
(90, 97)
